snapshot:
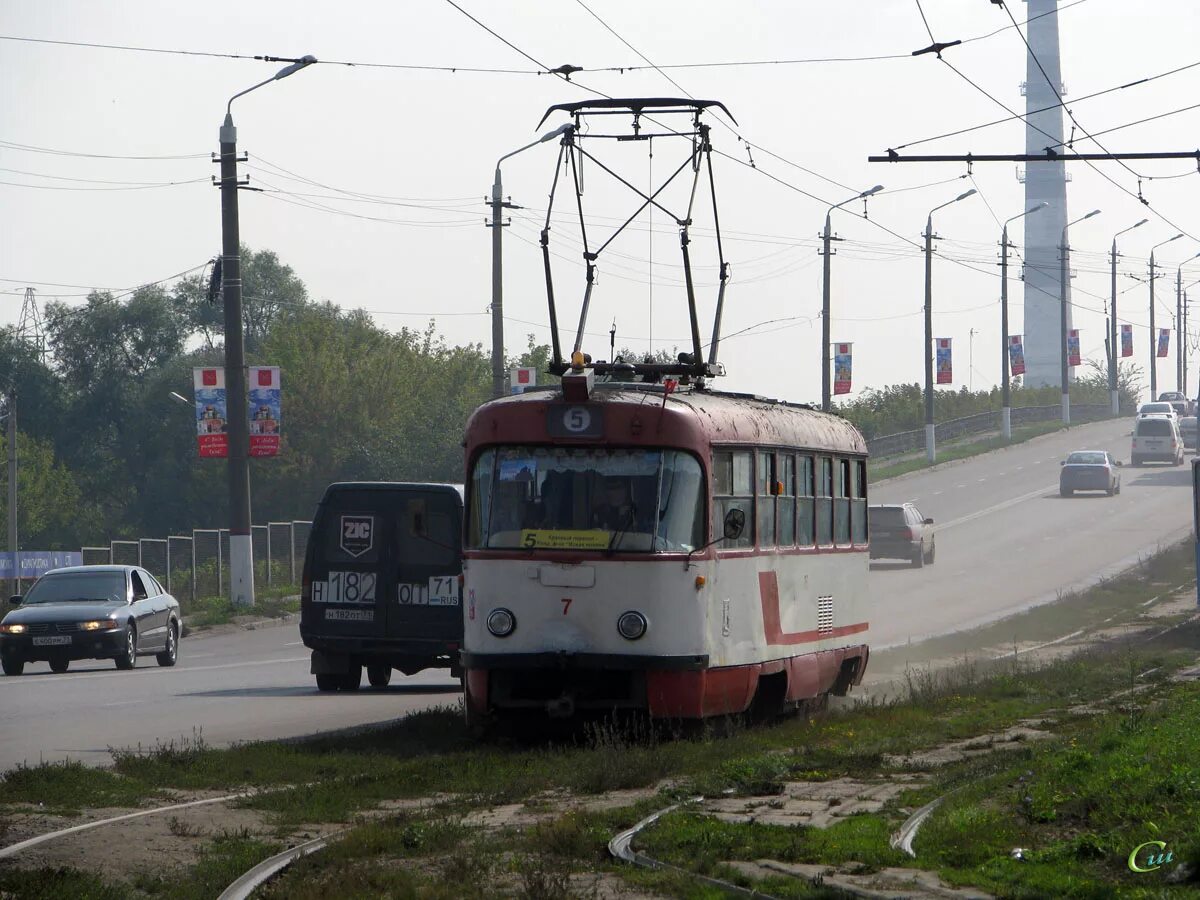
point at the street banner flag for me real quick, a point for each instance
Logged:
(1164, 340)
(1016, 354)
(945, 369)
(1127, 340)
(843, 363)
(211, 419)
(522, 378)
(1073, 347)
(264, 411)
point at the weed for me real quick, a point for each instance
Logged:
(180, 828)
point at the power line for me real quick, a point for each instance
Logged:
(12, 145)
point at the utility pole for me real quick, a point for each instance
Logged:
(12, 490)
(930, 431)
(1113, 385)
(1064, 279)
(1179, 329)
(826, 251)
(241, 545)
(971, 360)
(497, 225)
(1153, 330)
(1005, 390)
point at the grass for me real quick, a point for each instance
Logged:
(63, 788)
(964, 449)
(1108, 780)
(270, 603)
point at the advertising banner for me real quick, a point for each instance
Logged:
(1016, 354)
(945, 370)
(36, 563)
(842, 368)
(211, 418)
(1073, 347)
(521, 378)
(264, 411)
(1164, 341)
(1127, 340)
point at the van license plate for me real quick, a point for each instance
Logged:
(56, 639)
(443, 590)
(352, 615)
(345, 587)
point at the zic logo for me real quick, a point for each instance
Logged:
(357, 534)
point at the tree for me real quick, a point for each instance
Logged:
(50, 508)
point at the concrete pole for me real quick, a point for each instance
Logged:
(930, 433)
(497, 287)
(1114, 394)
(825, 329)
(1063, 280)
(1006, 401)
(1179, 329)
(1153, 337)
(13, 538)
(241, 547)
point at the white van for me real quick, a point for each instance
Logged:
(1156, 438)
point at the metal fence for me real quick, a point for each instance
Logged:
(197, 565)
(911, 441)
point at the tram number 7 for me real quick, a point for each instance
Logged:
(566, 602)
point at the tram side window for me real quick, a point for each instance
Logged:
(824, 501)
(787, 500)
(805, 505)
(841, 503)
(766, 499)
(858, 510)
(733, 488)
(480, 512)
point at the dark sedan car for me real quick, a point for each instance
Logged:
(1089, 470)
(901, 532)
(91, 612)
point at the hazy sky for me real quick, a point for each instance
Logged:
(417, 151)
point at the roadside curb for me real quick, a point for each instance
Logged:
(235, 627)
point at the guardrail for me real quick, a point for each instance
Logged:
(911, 441)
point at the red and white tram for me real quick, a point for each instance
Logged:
(598, 573)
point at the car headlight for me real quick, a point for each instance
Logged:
(501, 622)
(99, 625)
(12, 629)
(631, 625)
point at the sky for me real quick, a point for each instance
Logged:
(373, 177)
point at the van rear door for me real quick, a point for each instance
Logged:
(427, 562)
(349, 579)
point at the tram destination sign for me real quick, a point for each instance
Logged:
(575, 421)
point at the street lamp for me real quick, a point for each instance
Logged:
(1180, 319)
(1006, 402)
(182, 399)
(1114, 392)
(930, 445)
(826, 237)
(1063, 283)
(1153, 336)
(241, 548)
(498, 204)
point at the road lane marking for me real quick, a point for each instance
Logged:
(294, 644)
(1012, 501)
(935, 493)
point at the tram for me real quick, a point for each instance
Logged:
(661, 547)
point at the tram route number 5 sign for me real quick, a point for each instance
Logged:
(575, 421)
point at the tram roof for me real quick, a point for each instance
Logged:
(720, 416)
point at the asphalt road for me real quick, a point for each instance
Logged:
(1005, 541)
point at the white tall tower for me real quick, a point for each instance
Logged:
(1044, 182)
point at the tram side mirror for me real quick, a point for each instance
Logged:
(735, 524)
(927, 522)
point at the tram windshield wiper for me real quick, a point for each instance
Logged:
(620, 532)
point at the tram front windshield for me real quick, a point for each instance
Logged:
(576, 498)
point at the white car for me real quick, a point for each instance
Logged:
(1158, 408)
(1157, 437)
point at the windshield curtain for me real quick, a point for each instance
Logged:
(577, 498)
(103, 586)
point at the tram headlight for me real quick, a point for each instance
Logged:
(501, 622)
(631, 625)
